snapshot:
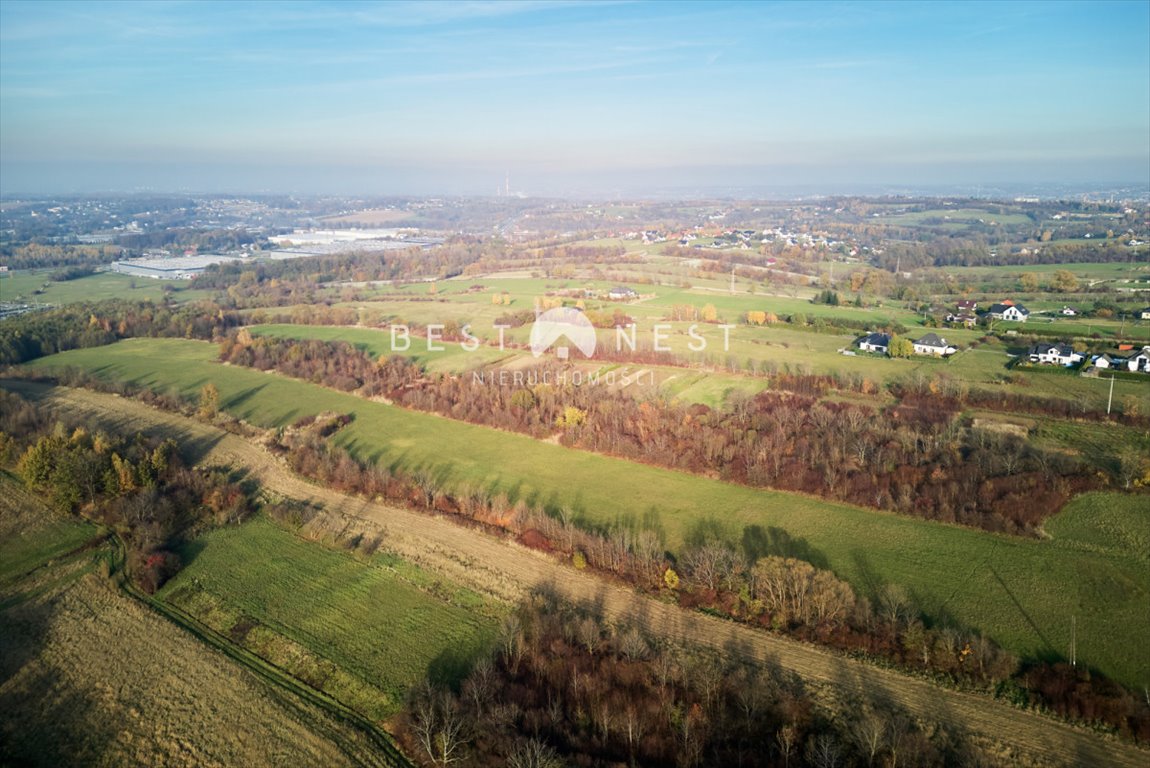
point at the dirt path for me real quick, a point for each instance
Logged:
(509, 570)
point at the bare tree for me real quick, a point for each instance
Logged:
(438, 725)
(511, 641)
(633, 645)
(710, 564)
(786, 739)
(533, 754)
(589, 634)
(869, 734)
(823, 751)
(479, 685)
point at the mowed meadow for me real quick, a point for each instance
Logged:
(1021, 592)
(361, 629)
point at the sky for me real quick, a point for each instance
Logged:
(569, 97)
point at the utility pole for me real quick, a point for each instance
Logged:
(1110, 400)
(1073, 642)
(732, 281)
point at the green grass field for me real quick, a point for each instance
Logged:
(31, 534)
(363, 630)
(97, 287)
(954, 216)
(1019, 591)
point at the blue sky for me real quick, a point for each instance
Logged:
(447, 97)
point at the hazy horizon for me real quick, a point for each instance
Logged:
(570, 99)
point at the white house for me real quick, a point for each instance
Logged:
(933, 344)
(875, 342)
(1069, 311)
(1139, 363)
(1055, 354)
(1013, 312)
(1106, 362)
(621, 292)
(1146, 314)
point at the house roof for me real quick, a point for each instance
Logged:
(1042, 348)
(622, 289)
(998, 309)
(967, 304)
(931, 340)
(877, 339)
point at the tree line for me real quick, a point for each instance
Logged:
(79, 326)
(915, 457)
(563, 686)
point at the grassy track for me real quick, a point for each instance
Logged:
(1021, 592)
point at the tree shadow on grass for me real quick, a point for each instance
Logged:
(454, 663)
(758, 542)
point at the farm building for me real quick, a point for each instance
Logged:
(621, 293)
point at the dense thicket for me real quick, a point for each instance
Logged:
(936, 251)
(138, 485)
(78, 326)
(275, 283)
(565, 687)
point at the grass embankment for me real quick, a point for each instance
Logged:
(1020, 592)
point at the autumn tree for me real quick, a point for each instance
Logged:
(900, 347)
(1064, 281)
(209, 401)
